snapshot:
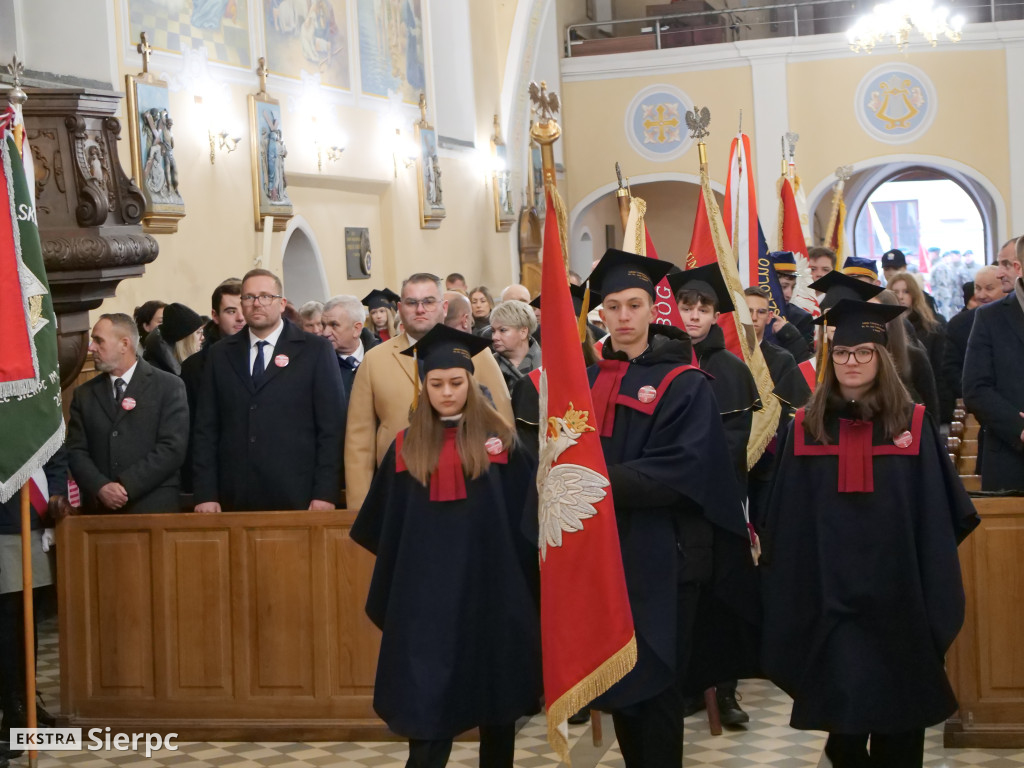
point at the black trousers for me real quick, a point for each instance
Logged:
(650, 733)
(888, 750)
(497, 746)
(12, 651)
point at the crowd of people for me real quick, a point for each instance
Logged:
(420, 409)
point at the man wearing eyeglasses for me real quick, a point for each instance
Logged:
(383, 390)
(269, 430)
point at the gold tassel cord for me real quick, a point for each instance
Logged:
(585, 691)
(415, 382)
(581, 321)
(562, 215)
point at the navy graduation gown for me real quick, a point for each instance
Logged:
(454, 594)
(862, 589)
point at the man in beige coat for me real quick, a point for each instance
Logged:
(378, 407)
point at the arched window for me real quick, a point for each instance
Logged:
(927, 215)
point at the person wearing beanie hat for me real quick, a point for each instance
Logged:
(175, 339)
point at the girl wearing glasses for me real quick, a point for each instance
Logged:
(453, 588)
(861, 580)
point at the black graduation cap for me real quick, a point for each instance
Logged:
(577, 292)
(381, 299)
(444, 347)
(708, 280)
(836, 286)
(619, 271)
(859, 322)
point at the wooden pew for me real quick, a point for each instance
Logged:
(239, 626)
(986, 662)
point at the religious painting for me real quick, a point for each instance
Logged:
(391, 48)
(220, 26)
(428, 171)
(154, 167)
(308, 36)
(266, 137)
(501, 182)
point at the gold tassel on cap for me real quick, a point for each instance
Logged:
(415, 381)
(581, 321)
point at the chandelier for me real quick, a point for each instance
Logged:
(895, 20)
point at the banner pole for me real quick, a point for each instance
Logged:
(29, 614)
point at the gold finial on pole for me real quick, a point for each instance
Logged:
(622, 197)
(261, 72)
(145, 49)
(16, 69)
(546, 129)
(791, 139)
(697, 120)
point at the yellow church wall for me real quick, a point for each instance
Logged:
(217, 238)
(970, 127)
(595, 137)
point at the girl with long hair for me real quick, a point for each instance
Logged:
(930, 331)
(911, 360)
(454, 585)
(481, 303)
(860, 576)
(381, 303)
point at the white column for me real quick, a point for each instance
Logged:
(770, 123)
(1015, 135)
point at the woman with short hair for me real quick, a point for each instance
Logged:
(512, 325)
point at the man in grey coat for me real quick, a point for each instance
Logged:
(128, 431)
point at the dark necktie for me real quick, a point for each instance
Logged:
(349, 362)
(119, 387)
(258, 366)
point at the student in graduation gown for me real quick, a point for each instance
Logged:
(702, 296)
(685, 547)
(455, 583)
(860, 575)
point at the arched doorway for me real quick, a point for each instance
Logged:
(303, 271)
(671, 208)
(870, 176)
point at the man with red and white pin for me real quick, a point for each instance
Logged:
(128, 430)
(270, 421)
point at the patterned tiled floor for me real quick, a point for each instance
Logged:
(767, 741)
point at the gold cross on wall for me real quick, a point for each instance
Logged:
(661, 123)
(145, 49)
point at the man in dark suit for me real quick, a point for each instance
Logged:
(994, 382)
(269, 427)
(128, 431)
(343, 320)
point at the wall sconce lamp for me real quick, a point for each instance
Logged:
(222, 140)
(333, 153)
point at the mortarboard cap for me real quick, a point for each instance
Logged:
(837, 286)
(784, 261)
(859, 322)
(857, 266)
(708, 280)
(619, 271)
(577, 292)
(381, 298)
(444, 347)
(894, 259)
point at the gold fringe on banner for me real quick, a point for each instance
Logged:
(765, 420)
(635, 239)
(585, 691)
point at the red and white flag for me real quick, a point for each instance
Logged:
(740, 213)
(587, 635)
(637, 239)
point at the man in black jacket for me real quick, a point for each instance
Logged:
(269, 428)
(994, 382)
(128, 430)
